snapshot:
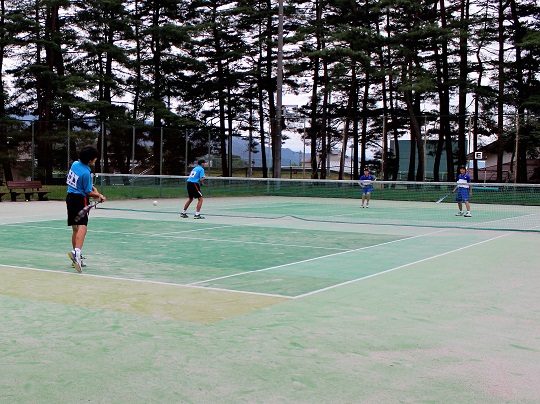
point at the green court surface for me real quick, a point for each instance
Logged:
(270, 300)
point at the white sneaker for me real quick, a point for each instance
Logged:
(460, 213)
(83, 264)
(76, 259)
(468, 214)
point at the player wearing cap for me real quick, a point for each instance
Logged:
(194, 182)
(464, 192)
(367, 186)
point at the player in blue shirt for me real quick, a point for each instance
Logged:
(464, 192)
(366, 182)
(79, 188)
(194, 182)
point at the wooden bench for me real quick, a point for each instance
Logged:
(28, 188)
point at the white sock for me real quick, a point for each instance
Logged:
(78, 252)
(197, 213)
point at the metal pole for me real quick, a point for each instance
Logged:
(133, 152)
(250, 157)
(186, 155)
(160, 161)
(352, 152)
(425, 144)
(33, 150)
(209, 161)
(133, 163)
(304, 159)
(517, 144)
(160, 154)
(68, 145)
(102, 159)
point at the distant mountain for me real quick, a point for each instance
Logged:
(288, 156)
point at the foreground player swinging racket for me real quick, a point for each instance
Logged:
(79, 189)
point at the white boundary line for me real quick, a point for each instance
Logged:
(398, 267)
(315, 258)
(191, 286)
(508, 218)
(176, 235)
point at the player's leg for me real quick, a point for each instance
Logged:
(468, 207)
(74, 236)
(460, 209)
(75, 243)
(79, 238)
(186, 206)
(188, 202)
(191, 196)
(76, 202)
(459, 200)
(368, 197)
(198, 212)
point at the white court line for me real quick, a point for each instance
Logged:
(507, 218)
(398, 267)
(191, 286)
(315, 258)
(173, 235)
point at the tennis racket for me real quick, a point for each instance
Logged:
(442, 198)
(366, 183)
(84, 211)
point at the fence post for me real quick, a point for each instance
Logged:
(33, 151)
(102, 160)
(68, 145)
(186, 157)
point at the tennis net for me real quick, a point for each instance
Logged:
(494, 206)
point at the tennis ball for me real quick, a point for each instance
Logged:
(154, 203)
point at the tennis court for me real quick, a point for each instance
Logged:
(271, 299)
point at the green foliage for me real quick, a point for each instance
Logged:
(210, 67)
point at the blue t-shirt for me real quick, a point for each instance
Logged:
(368, 177)
(79, 179)
(196, 174)
(463, 181)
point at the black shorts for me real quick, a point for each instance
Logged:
(194, 190)
(74, 204)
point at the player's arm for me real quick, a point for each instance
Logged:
(95, 194)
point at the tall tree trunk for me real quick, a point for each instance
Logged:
(444, 98)
(363, 138)
(271, 83)
(325, 143)
(500, 98)
(314, 129)
(350, 103)
(4, 161)
(463, 80)
(521, 152)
